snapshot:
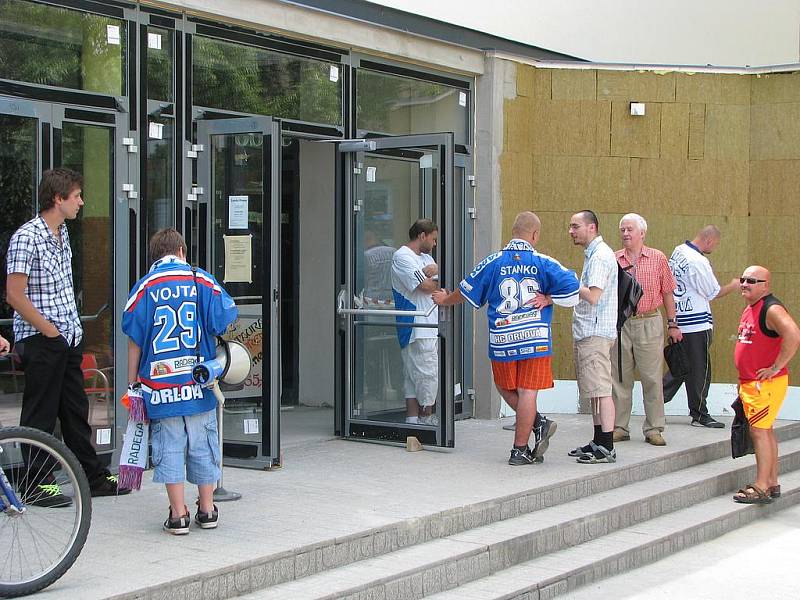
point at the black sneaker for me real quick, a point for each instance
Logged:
(177, 525)
(207, 520)
(543, 430)
(521, 457)
(107, 486)
(46, 495)
(707, 421)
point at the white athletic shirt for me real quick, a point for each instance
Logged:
(697, 286)
(407, 274)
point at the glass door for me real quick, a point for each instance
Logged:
(385, 370)
(37, 136)
(238, 171)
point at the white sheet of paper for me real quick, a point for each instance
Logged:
(251, 426)
(334, 73)
(426, 161)
(238, 207)
(112, 34)
(155, 131)
(371, 173)
(238, 258)
(462, 98)
(154, 41)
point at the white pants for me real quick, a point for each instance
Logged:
(421, 370)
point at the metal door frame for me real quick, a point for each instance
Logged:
(270, 306)
(351, 169)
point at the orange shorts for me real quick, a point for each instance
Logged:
(763, 399)
(527, 374)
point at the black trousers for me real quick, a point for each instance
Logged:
(54, 390)
(698, 380)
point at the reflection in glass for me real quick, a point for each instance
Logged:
(401, 105)
(160, 200)
(254, 80)
(55, 46)
(18, 165)
(159, 64)
(89, 150)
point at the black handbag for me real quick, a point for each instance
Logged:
(741, 443)
(677, 359)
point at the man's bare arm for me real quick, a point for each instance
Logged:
(134, 355)
(445, 298)
(779, 320)
(590, 294)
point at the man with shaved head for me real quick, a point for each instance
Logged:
(768, 339)
(697, 287)
(515, 283)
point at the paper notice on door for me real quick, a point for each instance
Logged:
(462, 98)
(371, 174)
(154, 41)
(334, 73)
(237, 212)
(251, 426)
(426, 161)
(112, 34)
(238, 258)
(155, 131)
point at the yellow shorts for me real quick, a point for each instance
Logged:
(763, 399)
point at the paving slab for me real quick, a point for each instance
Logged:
(333, 489)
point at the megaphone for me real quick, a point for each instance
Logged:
(231, 365)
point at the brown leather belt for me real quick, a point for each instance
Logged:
(646, 315)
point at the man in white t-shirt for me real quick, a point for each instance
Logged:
(696, 287)
(414, 277)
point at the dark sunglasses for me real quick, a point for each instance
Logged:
(751, 280)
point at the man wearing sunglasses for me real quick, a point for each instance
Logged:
(768, 339)
(697, 287)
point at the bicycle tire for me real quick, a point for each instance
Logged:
(69, 474)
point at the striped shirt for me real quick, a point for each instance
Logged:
(697, 286)
(600, 271)
(36, 252)
(652, 272)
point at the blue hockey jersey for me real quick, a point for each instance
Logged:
(509, 281)
(167, 314)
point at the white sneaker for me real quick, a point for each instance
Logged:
(430, 420)
(413, 420)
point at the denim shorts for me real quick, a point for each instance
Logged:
(186, 448)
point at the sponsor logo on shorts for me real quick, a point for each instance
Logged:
(172, 366)
(499, 353)
(512, 352)
(526, 350)
(542, 348)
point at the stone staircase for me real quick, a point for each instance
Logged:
(532, 545)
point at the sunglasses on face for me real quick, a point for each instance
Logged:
(751, 280)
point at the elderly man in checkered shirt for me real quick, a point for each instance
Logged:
(642, 336)
(48, 332)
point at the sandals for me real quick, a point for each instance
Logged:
(774, 491)
(751, 494)
(599, 454)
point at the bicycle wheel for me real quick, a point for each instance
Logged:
(38, 545)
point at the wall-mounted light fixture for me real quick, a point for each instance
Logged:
(637, 109)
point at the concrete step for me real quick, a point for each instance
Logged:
(473, 553)
(561, 572)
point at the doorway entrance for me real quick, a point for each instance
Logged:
(36, 136)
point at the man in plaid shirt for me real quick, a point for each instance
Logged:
(642, 336)
(48, 332)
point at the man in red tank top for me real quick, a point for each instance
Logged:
(768, 339)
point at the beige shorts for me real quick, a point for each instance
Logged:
(421, 371)
(593, 366)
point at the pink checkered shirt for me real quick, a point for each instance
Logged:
(653, 273)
